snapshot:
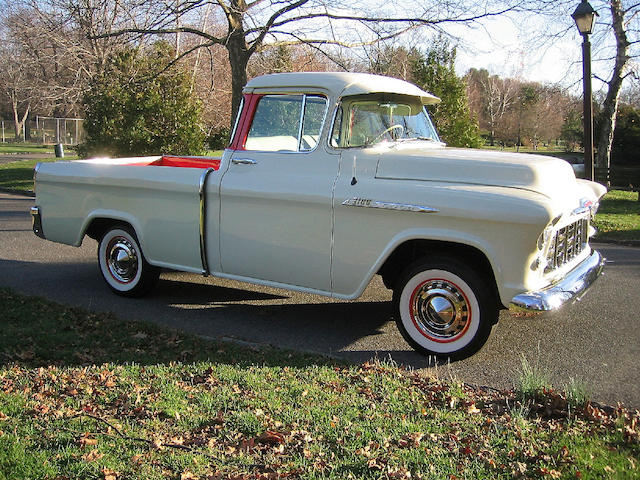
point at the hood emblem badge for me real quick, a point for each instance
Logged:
(586, 205)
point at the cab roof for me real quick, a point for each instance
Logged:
(340, 84)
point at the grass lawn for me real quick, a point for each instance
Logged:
(89, 396)
(618, 218)
(18, 175)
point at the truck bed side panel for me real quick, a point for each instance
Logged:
(161, 203)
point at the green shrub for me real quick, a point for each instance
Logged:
(219, 139)
(139, 106)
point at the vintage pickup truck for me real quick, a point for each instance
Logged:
(330, 179)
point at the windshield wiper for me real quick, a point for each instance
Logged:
(410, 139)
(430, 139)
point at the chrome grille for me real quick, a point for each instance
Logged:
(567, 243)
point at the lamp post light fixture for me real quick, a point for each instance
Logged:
(585, 18)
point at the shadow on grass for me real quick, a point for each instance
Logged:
(16, 178)
(37, 332)
(620, 206)
(41, 333)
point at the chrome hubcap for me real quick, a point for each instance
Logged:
(440, 310)
(122, 260)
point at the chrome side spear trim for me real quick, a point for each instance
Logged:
(405, 207)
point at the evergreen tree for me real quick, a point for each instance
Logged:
(137, 107)
(626, 139)
(434, 72)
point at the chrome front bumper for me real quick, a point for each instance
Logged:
(36, 222)
(567, 290)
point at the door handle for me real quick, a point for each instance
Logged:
(243, 161)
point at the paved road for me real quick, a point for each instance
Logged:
(597, 341)
(17, 157)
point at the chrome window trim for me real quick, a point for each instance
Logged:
(333, 122)
(235, 125)
(301, 121)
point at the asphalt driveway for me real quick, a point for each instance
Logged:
(596, 341)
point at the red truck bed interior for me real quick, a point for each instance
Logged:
(185, 162)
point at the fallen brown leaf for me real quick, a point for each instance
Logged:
(271, 438)
(109, 474)
(85, 441)
(92, 456)
(472, 409)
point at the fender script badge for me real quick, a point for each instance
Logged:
(368, 203)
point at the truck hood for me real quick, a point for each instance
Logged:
(545, 175)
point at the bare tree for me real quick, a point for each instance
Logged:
(15, 77)
(621, 19)
(616, 42)
(492, 99)
(327, 26)
(548, 114)
(20, 73)
(60, 36)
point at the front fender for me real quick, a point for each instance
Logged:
(439, 235)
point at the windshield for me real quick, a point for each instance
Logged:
(367, 122)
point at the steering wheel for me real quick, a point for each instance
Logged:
(392, 127)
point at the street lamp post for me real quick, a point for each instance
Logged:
(585, 18)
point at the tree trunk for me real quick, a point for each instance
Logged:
(610, 105)
(18, 123)
(238, 55)
(238, 60)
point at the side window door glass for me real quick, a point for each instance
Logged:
(287, 123)
(276, 124)
(314, 111)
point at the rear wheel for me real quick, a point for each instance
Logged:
(123, 265)
(444, 308)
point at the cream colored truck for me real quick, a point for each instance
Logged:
(330, 179)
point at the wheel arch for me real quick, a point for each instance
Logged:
(415, 249)
(98, 223)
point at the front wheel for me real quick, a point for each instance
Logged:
(123, 265)
(444, 308)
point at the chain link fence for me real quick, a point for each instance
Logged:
(45, 130)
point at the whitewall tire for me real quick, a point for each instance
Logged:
(123, 265)
(444, 308)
